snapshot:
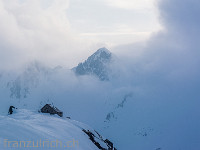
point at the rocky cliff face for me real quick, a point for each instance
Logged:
(97, 64)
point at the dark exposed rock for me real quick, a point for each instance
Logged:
(94, 138)
(109, 144)
(48, 108)
(97, 65)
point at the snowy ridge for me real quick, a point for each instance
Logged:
(44, 132)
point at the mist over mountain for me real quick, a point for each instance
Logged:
(36, 85)
(146, 100)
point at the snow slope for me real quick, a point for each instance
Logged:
(59, 133)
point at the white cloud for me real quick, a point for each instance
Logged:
(110, 19)
(132, 4)
(65, 32)
(37, 30)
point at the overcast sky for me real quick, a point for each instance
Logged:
(65, 32)
(113, 22)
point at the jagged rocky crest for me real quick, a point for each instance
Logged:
(97, 64)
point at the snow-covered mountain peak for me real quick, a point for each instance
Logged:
(103, 55)
(102, 52)
(97, 64)
(104, 49)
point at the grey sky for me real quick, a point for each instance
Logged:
(65, 32)
(113, 22)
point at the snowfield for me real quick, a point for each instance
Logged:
(25, 128)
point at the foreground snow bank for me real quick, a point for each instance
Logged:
(30, 130)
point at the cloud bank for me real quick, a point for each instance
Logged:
(162, 75)
(66, 32)
(166, 70)
(37, 30)
(174, 51)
